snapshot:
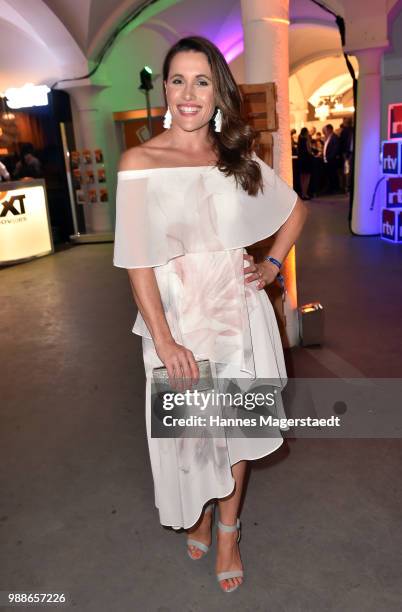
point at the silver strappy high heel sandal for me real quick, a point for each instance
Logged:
(230, 573)
(196, 543)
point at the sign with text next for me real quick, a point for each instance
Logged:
(391, 157)
(395, 121)
(391, 225)
(391, 161)
(24, 221)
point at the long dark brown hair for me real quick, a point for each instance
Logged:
(234, 144)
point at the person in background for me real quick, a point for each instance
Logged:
(318, 144)
(346, 152)
(305, 155)
(29, 166)
(295, 161)
(331, 157)
(4, 174)
(293, 139)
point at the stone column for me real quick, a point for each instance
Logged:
(266, 58)
(367, 145)
(90, 134)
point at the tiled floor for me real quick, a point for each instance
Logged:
(321, 518)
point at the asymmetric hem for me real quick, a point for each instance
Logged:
(192, 226)
(250, 458)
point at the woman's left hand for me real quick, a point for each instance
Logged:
(264, 273)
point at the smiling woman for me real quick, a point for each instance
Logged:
(200, 87)
(188, 203)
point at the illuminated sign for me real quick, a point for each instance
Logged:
(391, 225)
(11, 205)
(395, 121)
(399, 225)
(394, 192)
(26, 96)
(24, 222)
(388, 224)
(391, 157)
(391, 162)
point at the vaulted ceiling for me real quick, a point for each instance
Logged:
(52, 39)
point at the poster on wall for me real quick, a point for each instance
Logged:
(87, 156)
(101, 175)
(77, 178)
(92, 196)
(88, 174)
(75, 159)
(143, 133)
(80, 195)
(98, 156)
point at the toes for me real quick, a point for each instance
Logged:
(194, 552)
(230, 583)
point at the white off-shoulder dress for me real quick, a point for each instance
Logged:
(192, 225)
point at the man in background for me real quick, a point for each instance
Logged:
(29, 165)
(331, 159)
(346, 152)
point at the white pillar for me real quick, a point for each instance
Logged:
(90, 135)
(266, 59)
(367, 145)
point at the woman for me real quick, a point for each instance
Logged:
(305, 155)
(188, 203)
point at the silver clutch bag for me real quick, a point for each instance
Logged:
(161, 379)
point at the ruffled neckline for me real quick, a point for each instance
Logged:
(127, 172)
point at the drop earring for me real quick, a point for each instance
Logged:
(218, 120)
(167, 121)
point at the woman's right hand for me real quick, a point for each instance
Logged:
(180, 363)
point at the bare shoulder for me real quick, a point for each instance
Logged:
(141, 157)
(134, 159)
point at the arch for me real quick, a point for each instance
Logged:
(117, 16)
(52, 32)
(30, 62)
(311, 59)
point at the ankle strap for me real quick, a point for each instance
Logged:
(229, 527)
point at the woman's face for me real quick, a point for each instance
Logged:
(189, 90)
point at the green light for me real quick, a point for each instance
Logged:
(148, 69)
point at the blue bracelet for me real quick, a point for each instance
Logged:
(281, 281)
(279, 264)
(273, 260)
